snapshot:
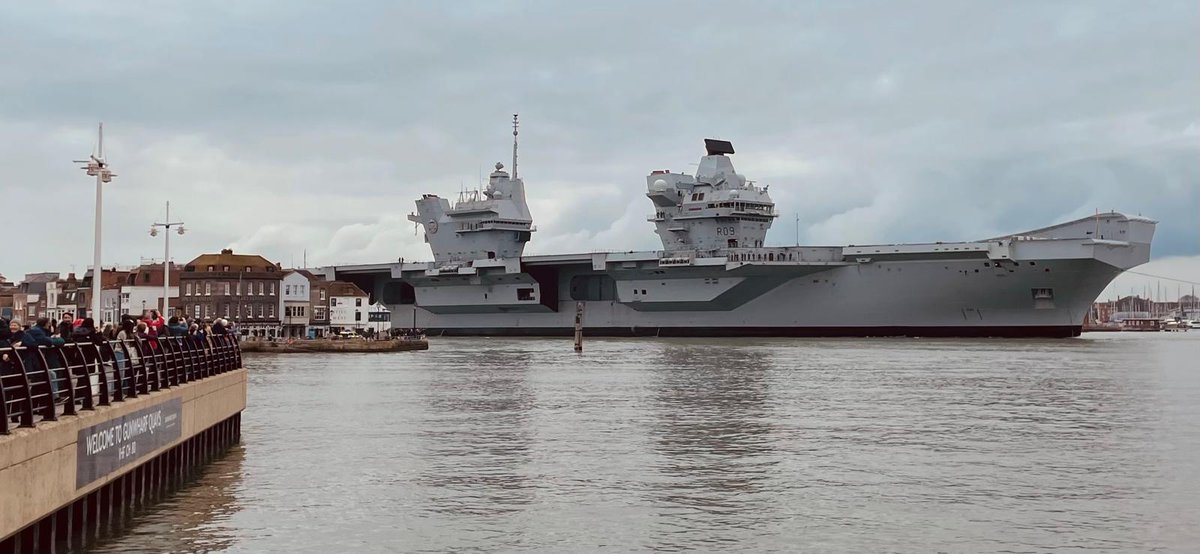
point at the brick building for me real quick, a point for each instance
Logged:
(318, 301)
(243, 288)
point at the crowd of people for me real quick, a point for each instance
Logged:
(50, 332)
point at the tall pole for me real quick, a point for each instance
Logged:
(166, 225)
(166, 266)
(96, 272)
(96, 166)
(514, 166)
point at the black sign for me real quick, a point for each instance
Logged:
(106, 447)
(379, 316)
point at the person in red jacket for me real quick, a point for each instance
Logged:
(156, 327)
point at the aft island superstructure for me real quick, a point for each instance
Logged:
(715, 275)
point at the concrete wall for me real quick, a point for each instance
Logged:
(37, 466)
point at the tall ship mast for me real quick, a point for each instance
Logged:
(715, 275)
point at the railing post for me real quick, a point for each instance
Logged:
(69, 381)
(83, 379)
(50, 413)
(27, 413)
(3, 397)
(105, 388)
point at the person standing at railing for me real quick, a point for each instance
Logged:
(66, 325)
(10, 334)
(85, 333)
(176, 329)
(156, 322)
(37, 336)
(127, 334)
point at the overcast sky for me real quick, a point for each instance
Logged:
(275, 127)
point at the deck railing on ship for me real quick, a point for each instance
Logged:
(43, 383)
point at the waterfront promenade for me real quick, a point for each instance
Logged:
(91, 432)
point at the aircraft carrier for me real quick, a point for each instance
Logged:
(715, 276)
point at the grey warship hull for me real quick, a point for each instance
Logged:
(1035, 284)
(714, 276)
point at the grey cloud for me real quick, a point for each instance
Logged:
(280, 126)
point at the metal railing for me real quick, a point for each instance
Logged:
(43, 383)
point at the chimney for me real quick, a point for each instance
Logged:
(227, 251)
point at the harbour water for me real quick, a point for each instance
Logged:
(864, 445)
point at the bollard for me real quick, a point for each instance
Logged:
(579, 326)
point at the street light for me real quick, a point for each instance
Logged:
(97, 167)
(166, 254)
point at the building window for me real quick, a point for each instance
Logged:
(196, 310)
(272, 287)
(272, 311)
(207, 288)
(210, 268)
(332, 301)
(261, 287)
(224, 268)
(239, 288)
(358, 302)
(262, 311)
(357, 316)
(226, 289)
(322, 295)
(287, 290)
(188, 290)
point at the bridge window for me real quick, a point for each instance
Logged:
(524, 294)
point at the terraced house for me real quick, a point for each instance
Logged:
(243, 288)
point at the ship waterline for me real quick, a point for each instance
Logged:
(714, 277)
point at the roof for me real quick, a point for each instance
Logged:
(343, 288)
(41, 277)
(109, 278)
(305, 273)
(235, 262)
(149, 275)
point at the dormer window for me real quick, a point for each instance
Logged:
(210, 268)
(225, 268)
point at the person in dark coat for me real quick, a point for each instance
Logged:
(8, 332)
(85, 332)
(40, 335)
(64, 329)
(218, 327)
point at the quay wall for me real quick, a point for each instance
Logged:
(41, 470)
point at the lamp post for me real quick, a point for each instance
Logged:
(167, 254)
(96, 166)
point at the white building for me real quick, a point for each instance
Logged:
(143, 289)
(294, 304)
(350, 308)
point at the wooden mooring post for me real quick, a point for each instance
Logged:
(579, 326)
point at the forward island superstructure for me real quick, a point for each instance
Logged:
(715, 276)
